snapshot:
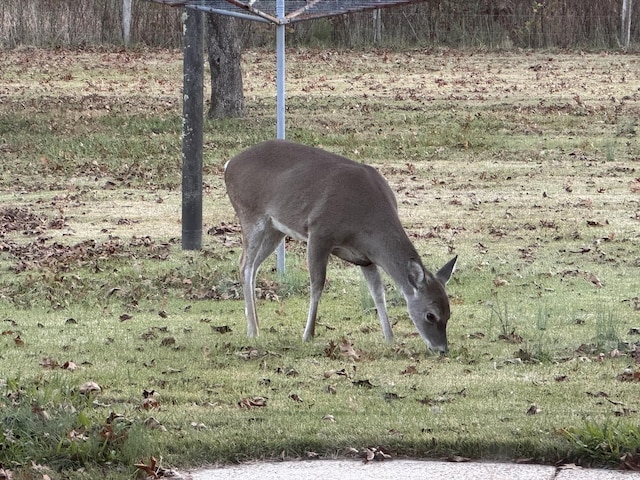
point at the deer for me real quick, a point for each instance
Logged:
(337, 206)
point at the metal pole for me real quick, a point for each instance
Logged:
(280, 101)
(192, 95)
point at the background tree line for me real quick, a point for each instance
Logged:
(455, 23)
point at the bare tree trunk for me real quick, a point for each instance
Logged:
(126, 22)
(625, 37)
(377, 27)
(227, 97)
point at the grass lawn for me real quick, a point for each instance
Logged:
(117, 346)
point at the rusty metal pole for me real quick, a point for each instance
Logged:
(192, 126)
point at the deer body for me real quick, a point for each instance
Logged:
(337, 207)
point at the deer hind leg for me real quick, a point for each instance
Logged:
(259, 240)
(317, 258)
(376, 289)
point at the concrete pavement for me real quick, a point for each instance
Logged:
(403, 469)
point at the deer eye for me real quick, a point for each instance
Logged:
(430, 317)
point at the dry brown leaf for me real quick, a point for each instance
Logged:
(512, 337)
(89, 387)
(295, 397)
(71, 366)
(457, 459)
(595, 280)
(252, 402)
(49, 363)
(348, 351)
(149, 403)
(150, 469)
(410, 370)
(40, 412)
(533, 410)
(78, 436)
(222, 329)
(153, 424)
(629, 376)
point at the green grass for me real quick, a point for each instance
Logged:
(534, 191)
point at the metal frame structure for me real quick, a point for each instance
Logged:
(277, 12)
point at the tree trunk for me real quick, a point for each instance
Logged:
(227, 97)
(626, 23)
(126, 22)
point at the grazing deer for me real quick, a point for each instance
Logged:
(338, 207)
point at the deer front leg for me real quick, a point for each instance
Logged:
(376, 289)
(317, 258)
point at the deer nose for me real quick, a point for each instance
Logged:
(441, 349)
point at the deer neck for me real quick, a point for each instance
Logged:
(397, 254)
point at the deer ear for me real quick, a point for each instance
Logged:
(416, 274)
(444, 274)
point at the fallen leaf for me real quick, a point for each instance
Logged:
(149, 403)
(512, 337)
(477, 335)
(153, 424)
(249, 403)
(330, 350)
(390, 396)
(221, 329)
(457, 459)
(348, 351)
(533, 410)
(629, 376)
(77, 436)
(89, 387)
(599, 394)
(500, 282)
(150, 469)
(48, 363)
(410, 370)
(40, 412)
(329, 373)
(363, 383)
(295, 397)
(595, 280)
(71, 366)
(374, 453)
